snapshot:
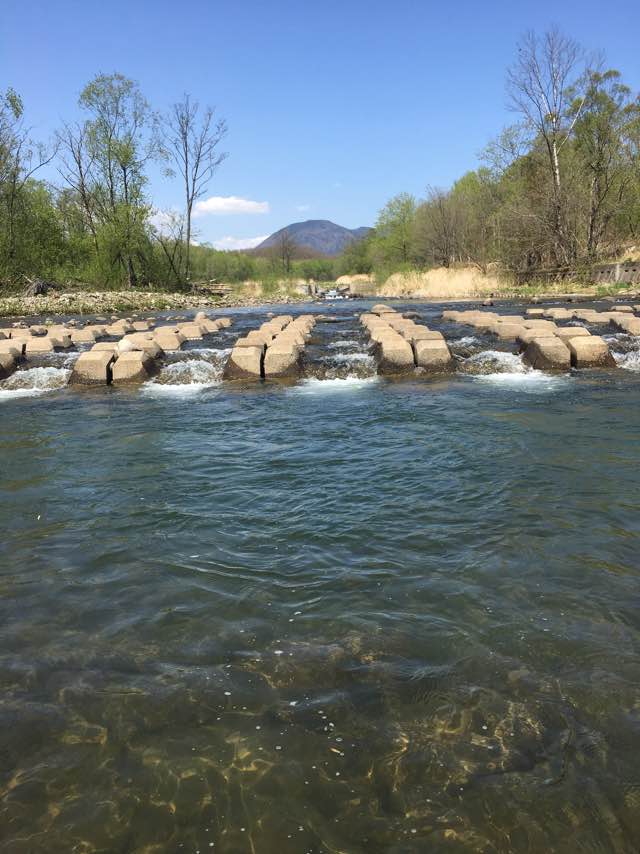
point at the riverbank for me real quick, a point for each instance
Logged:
(108, 302)
(433, 286)
(469, 284)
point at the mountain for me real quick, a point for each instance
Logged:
(319, 235)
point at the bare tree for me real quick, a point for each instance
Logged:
(169, 235)
(539, 85)
(437, 230)
(286, 249)
(191, 142)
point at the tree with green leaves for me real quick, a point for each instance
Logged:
(393, 240)
(104, 162)
(20, 199)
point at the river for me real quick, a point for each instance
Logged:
(348, 614)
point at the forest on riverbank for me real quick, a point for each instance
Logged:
(558, 188)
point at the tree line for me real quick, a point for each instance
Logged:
(559, 188)
(94, 224)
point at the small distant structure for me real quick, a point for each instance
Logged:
(210, 288)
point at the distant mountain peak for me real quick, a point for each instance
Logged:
(320, 235)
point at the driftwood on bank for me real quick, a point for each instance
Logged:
(37, 287)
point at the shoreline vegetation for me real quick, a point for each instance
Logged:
(441, 285)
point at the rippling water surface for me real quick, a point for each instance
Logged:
(347, 615)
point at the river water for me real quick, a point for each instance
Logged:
(349, 614)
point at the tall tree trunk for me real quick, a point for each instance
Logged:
(559, 243)
(187, 249)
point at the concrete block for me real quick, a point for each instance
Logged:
(7, 365)
(38, 345)
(547, 354)
(282, 359)
(168, 341)
(396, 354)
(15, 347)
(245, 362)
(83, 336)
(93, 368)
(591, 352)
(434, 355)
(566, 333)
(134, 366)
(191, 331)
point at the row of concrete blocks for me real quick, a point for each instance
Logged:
(136, 356)
(39, 339)
(621, 318)
(272, 351)
(401, 344)
(543, 344)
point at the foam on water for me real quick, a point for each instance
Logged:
(34, 382)
(188, 377)
(491, 362)
(313, 385)
(465, 341)
(217, 352)
(495, 367)
(630, 360)
(352, 358)
(343, 345)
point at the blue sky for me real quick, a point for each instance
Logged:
(332, 107)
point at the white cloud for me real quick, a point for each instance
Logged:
(229, 205)
(303, 208)
(231, 243)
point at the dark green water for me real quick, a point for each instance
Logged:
(343, 616)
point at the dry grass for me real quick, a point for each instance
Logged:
(443, 284)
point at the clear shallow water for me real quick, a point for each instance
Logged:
(351, 615)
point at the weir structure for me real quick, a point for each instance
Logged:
(545, 345)
(132, 354)
(274, 350)
(401, 345)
